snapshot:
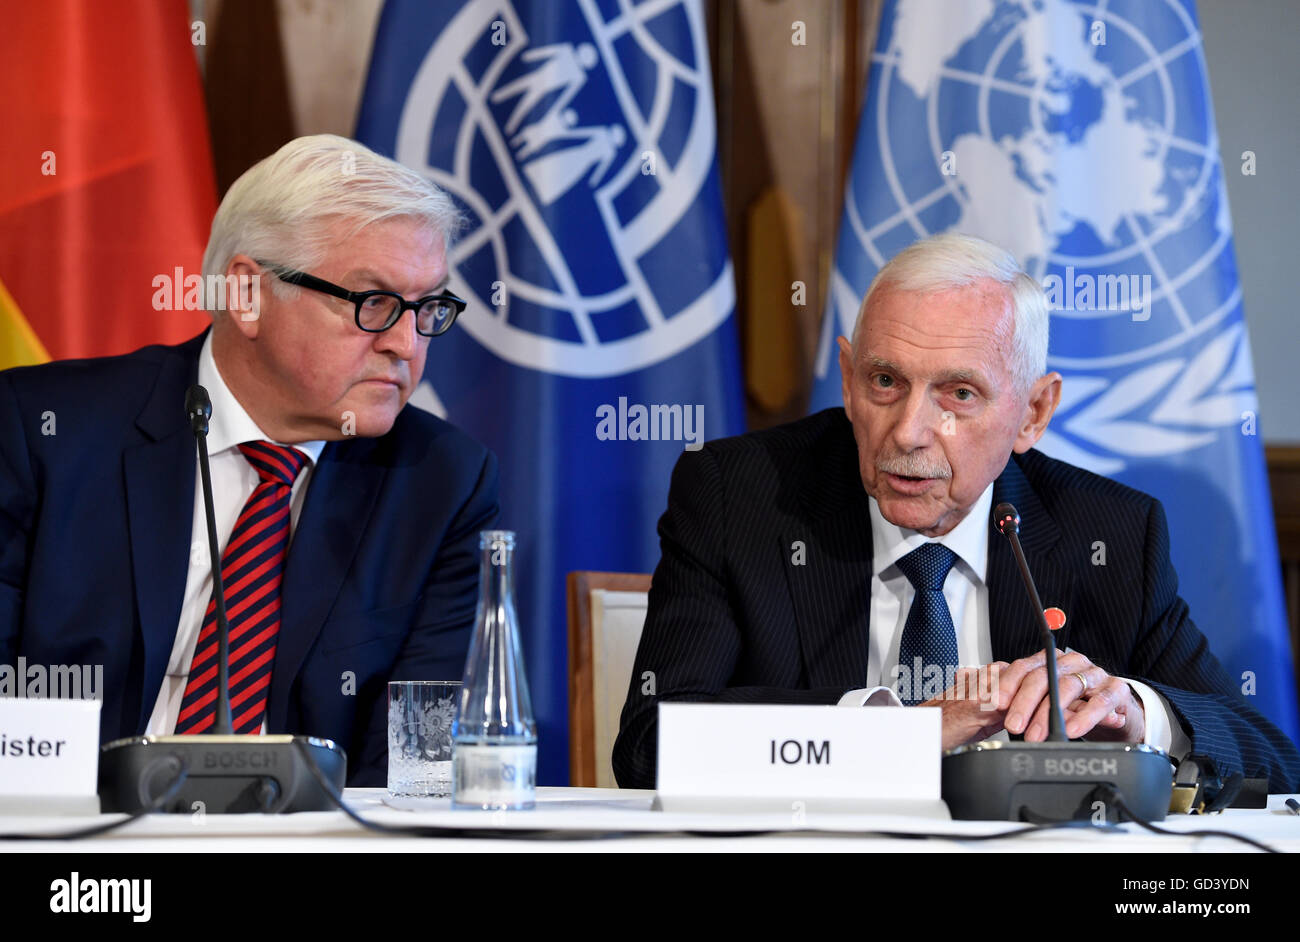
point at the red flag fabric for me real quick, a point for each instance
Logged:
(106, 179)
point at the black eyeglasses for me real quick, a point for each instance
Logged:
(379, 310)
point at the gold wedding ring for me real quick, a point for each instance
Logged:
(1083, 680)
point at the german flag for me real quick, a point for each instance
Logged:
(19, 345)
(105, 175)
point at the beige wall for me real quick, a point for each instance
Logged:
(789, 78)
(277, 69)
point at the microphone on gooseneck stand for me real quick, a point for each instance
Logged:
(199, 409)
(1007, 522)
(1056, 780)
(217, 771)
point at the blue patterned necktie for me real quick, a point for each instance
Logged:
(929, 637)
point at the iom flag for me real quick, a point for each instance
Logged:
(599, 343)
(1081, 137)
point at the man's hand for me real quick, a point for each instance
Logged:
(1095, 704)
(970, 706)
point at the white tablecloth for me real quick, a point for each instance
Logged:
(619, 811)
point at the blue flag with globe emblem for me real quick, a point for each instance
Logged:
(579, 139)
(1081, 137)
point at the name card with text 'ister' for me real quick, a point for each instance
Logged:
(772, 757)
(49, 756)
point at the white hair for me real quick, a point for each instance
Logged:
(287, 208)
(953, 260)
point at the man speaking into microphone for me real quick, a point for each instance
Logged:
(849, 557)
(347, 521)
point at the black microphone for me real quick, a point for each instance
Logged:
(199, 409)
(1007, 521)
(217, 771)
(1056, 780)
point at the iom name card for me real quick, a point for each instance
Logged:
(761, 755)
(49, 749)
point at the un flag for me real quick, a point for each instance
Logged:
(579, 140)
(1081, 138)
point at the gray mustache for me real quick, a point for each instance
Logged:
(912, 467)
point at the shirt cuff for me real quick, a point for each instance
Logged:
(870, 696)
(1163, 731)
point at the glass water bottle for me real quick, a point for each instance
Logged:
(495, 755)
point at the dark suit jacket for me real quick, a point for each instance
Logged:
(732, 619)
(380, 583)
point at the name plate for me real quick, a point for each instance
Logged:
(796, 758)
(49, 756)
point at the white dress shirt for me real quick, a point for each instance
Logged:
(233, 481)
(966, 592)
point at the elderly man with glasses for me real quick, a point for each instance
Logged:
(347, 523)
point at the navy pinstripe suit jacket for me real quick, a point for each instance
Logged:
(731, 619)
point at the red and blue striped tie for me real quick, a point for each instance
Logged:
(251, 569)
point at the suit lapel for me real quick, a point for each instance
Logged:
(831, 591)
(341, 496)
(159, 474)
(1013, 624)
